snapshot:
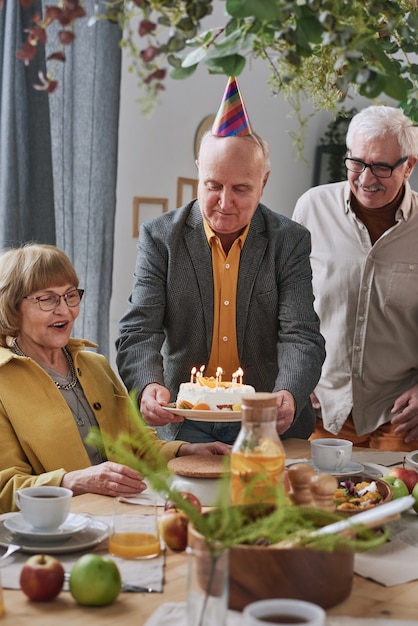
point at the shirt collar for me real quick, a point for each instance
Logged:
(211, 236)
(403, 211)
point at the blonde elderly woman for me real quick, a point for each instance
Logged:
(52, 390)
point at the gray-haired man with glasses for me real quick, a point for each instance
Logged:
(365, 279)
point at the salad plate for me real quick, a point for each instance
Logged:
(94, 532)
(72, 525)
(205, 416)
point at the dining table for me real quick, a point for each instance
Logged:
(367, 598)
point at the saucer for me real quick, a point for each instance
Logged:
(94, 532)
(350, 468)
(73, 524)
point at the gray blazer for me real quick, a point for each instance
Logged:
(167, 328)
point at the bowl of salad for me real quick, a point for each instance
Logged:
(360, 492)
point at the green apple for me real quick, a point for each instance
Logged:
(398, 487)
(415, 495)
(95, 580)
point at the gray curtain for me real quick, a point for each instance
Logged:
(84, 127)
(58, 156)
(26, 187)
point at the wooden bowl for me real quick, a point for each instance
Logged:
(383, 488)
(261, 572)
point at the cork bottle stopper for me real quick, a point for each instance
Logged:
(259, 407)
(300, 475)
(323, 487)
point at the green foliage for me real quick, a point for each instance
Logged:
(316, 49)
(224, 525)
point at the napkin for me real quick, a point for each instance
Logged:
(142, 572)
(175, 613)
(381, 457)
(148, 497)
(395, 562)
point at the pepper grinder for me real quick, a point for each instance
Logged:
(300, 476)
(323, 487)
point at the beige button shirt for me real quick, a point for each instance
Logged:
(366, 298)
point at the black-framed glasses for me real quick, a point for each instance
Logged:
(49, 303)
(380, 170)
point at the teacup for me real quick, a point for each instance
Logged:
(45, 507)
(283, 611)
(331, 455)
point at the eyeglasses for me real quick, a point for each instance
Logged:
(381, 170)
(49, 303)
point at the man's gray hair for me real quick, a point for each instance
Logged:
(380, 121)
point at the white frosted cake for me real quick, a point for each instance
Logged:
(224, 396)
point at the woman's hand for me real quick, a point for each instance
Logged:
(154, 396)
(106, 479)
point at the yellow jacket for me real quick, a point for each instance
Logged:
(39, 439)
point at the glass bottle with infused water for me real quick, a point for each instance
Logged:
(257, 457)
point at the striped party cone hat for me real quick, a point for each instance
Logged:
(232, 119)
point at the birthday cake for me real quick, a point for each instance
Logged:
(208, 394)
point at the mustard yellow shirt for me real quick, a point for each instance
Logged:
(224, 350)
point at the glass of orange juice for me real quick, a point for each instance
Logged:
(134, 534)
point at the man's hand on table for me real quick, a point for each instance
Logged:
(206, 449)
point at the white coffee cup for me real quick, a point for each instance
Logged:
(331, 455)
(45, 507)
(283, 611)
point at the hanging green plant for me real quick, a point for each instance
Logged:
(315, 49)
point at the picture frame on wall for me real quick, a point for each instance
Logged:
(186, 190)
(148, 208)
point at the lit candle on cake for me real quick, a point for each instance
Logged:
(234, 379)
(202, 369)
(219, 372)
(240, 374)
(192, 373)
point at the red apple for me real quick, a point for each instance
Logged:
(186, 495)
(398, 487)
(41, 577)
(408, 476)
(173, 529)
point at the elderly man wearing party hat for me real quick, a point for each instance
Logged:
(223, 282)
